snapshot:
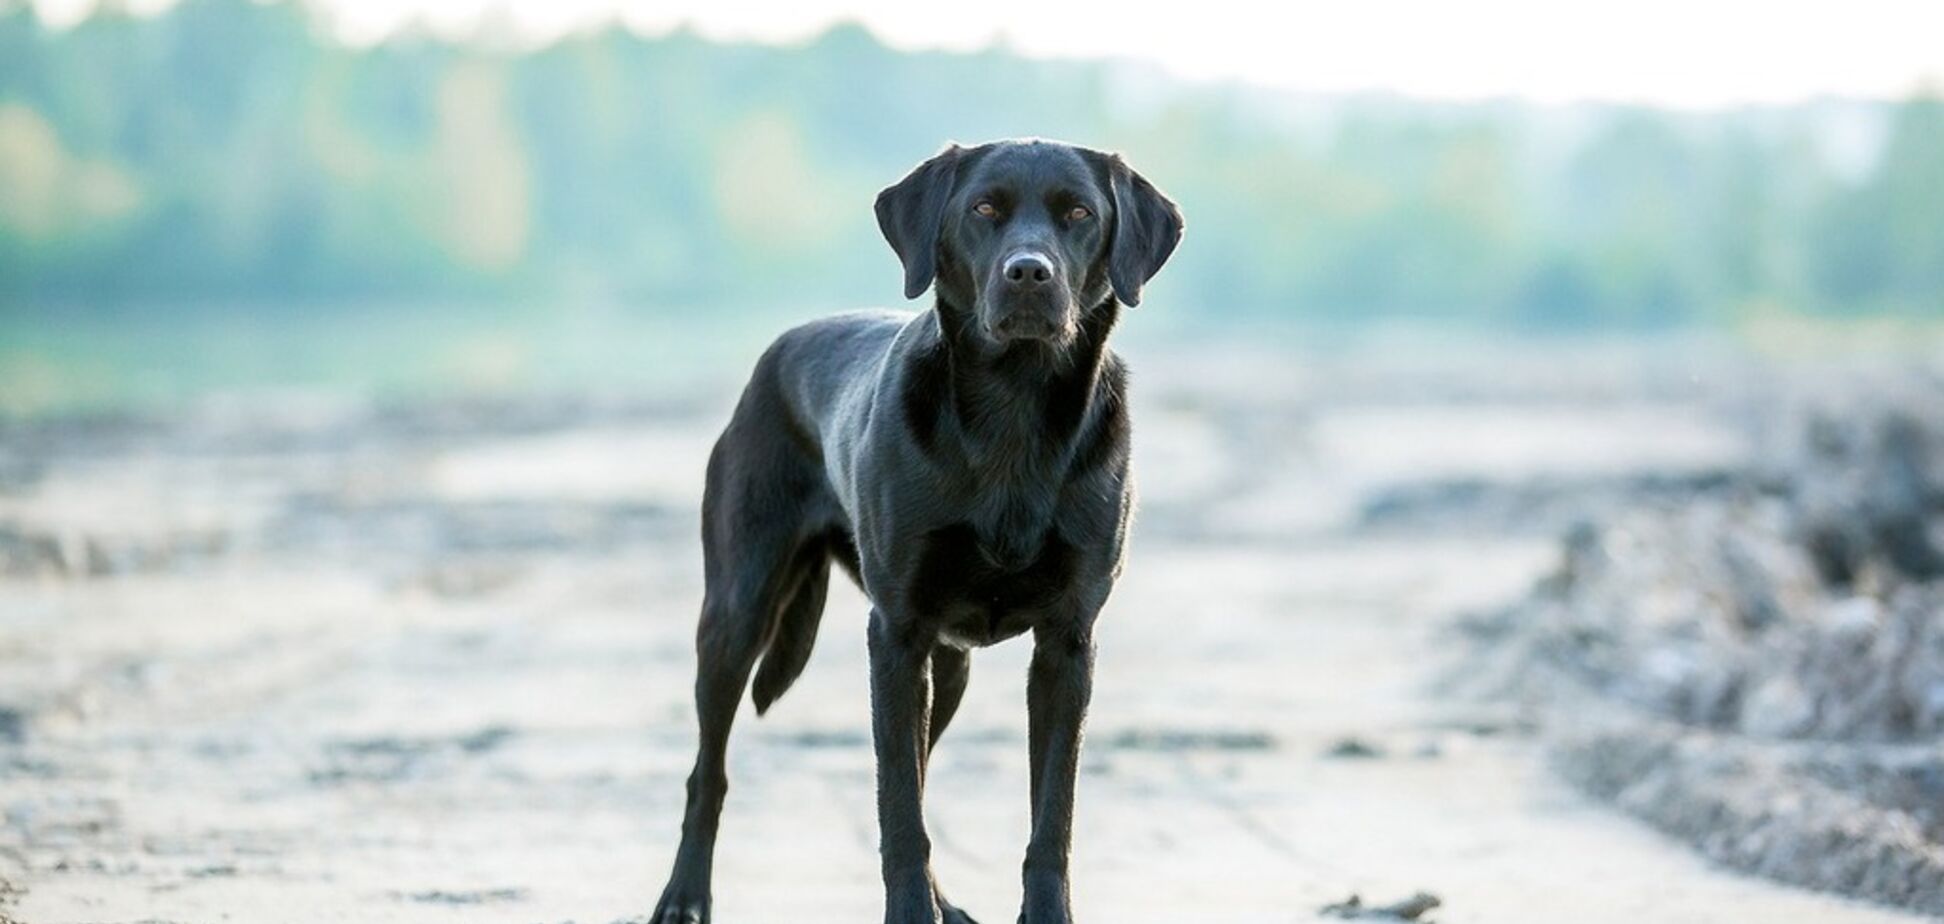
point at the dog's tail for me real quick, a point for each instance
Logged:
(795, 631)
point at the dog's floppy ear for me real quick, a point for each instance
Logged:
(1147, 225)
(910, 211)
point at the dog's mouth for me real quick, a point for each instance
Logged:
(1023, 326)
(1041, 320)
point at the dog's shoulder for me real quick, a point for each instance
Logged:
(1107, 437)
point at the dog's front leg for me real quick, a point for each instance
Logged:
(1058, 688)
(900, 710)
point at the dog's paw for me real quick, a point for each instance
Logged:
(680, 905)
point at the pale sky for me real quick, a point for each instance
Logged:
(1684, 53)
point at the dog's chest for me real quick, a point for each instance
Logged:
(983, 592)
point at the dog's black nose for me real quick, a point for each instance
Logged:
(1026, 270)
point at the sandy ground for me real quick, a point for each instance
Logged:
(312, 661)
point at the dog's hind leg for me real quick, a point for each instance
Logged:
(755, 563)
(725, 652)
(951, 668)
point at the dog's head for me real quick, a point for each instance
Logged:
(1027, 235)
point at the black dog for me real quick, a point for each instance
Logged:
(968, 465)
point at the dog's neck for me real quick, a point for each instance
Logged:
(1024, 403)
(1013, 419)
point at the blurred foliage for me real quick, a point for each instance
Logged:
(224, 153)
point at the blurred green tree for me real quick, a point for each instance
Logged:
(223, 152)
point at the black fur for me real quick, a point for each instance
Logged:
(968, 465)
(927, 392)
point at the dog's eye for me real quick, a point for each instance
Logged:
(1079, 213)
(986, 210)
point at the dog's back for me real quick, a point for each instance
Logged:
(819, 365)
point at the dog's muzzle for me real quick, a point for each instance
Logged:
(1026, 299)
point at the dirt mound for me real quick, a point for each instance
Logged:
(1759, 669)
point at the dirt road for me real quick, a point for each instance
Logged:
(327, 662)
